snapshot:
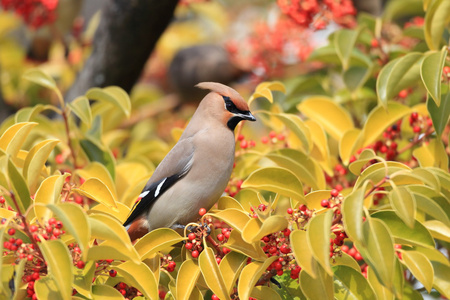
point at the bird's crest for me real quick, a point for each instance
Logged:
(225, 91)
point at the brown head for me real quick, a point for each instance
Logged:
(226, 104)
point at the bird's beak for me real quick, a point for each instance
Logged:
(246, 115)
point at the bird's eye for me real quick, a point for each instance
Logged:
(229, 105)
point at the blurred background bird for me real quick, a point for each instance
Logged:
(196, 171)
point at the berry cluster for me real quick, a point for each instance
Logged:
(167, 263)
(128, 292)
(319, 13)
(35, 13)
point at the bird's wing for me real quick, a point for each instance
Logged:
(174, 166)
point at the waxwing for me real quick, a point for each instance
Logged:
(196, 171)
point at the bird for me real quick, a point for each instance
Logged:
(196, 171)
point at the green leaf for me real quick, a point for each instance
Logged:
(303, 252)
(113, 95)
(274, 179)
(139, 276)
(81, 108)
(441, 276)
(157, 240)
(27, 114)
(35, 162)
(355, 77)
(49, 192)
(420, 267)
(108, 229)
(19, 188)
(418, 235)
(344, 42)
(13, 138)
(301, 165)
(230, 267)
(317, 288)
(333, 118)
(103, 291)
(211, 273)
(352, 213)
(187, 279)
(319, 239)
(351, 284)
(75, 222)
(382, 292)
(439, 114)
(366, 156)
(95, 153)
(404, 204)
(255, 230)
(436, 19)
(41, 78)
(379, 119)
(83, 279)
(346, 260)
(431, 73)
(378, 250)
(250, 276)
(47, 288)
(59, 264)
(431, 208)
(398, 74)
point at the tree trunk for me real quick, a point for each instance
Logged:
(127, 34)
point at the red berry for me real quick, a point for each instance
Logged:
(272, 134)
(220, 237)
(30, 257)
(218, 260)
(51, 221)
(344, 248)
(191, 236)
(214, 297)
(325, 203)
(11, 231)
(33, 228)
(290, 211)
(189, 246)
(358, 256)
(264, 140)
(56, 232)
(374, 43)
(334, 193)
(195, 254)
(302, 207)
(240, 137)
(202, 211)
(281, 137)
(403, 93)
(284, 249)
(243, 144)
(225, 250)
(80, 264)
(59, 159)
(2, 200)
(113, 273)
(416, 129)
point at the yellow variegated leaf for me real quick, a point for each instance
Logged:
(274, 179)
(35, 162)
(230, 268)
(226, 202)
(59, 264)
(187, 279)
(319, 239)
(113, 95)
(157, 240)
(334, 119)
(13, 138)
(438, 230)
(96, 190)
(419, 265)
(98, 171)
(265, 293)
(348, 144)
(49, 192)
(27, 114)
(121, 213)
(140, 276)
(255, 230)
(43, 79)
(404, 204)
(236, 243)
(250, 275)
(317, 288)
(75, 222)
(432, 154)
(235, 218)
(211, 273)
(103, 291)
(345, 260)
(303, 252)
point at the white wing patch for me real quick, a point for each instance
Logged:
(143, 194)
(158, 188)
